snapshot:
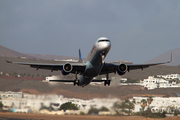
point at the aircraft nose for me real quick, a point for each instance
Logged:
(106, 45)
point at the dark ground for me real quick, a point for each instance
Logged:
(31, 116)
(90, 91)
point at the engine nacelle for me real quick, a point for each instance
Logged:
(122, 68)
(67, 68)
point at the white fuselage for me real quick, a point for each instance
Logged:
(95, 60)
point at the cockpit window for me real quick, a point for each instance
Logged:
(103, 41)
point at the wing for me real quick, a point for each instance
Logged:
(77, 67)
(112, 67)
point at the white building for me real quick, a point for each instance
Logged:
(170, 76)
(123, 79)
(35, 102)
(70, 60)
(159, 104)
(152, 83)
(52, 78)
(8, 94)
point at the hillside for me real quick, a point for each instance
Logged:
(10, 68)
(161, 58)
(11, 53)
(53, 57)
(134, 74)
(33, 86)
(154, 70)
(166, 56)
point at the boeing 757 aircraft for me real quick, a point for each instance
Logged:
(93, 67)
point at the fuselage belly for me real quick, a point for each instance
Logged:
(95, 60)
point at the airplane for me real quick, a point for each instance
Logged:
(94, 65)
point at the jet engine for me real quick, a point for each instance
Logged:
(67, 68)
(121, 69)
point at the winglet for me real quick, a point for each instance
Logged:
(80, 59)
(7, 60)
(171, 58)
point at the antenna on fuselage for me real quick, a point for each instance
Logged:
(80, 59)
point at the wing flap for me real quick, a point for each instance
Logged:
(77, 67)
(112, 67)
(141, 66)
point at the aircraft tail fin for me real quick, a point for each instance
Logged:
(80, 59)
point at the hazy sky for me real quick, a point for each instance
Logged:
(139, 30)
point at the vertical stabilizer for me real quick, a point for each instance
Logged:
(80, 59)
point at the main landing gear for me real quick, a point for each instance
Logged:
(76, 81)
(107, 81)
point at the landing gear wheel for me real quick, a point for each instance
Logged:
(107, 82)
(76, 82)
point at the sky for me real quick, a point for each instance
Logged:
(139, 30)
